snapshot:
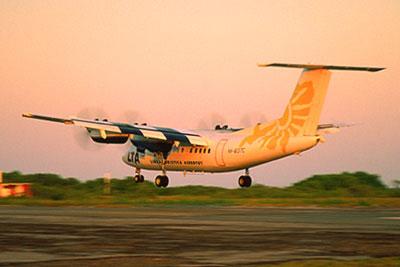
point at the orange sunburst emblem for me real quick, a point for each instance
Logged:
(277, 132)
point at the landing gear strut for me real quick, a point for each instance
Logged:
(138, 177)
(245, 180)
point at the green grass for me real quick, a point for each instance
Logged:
(333, 190)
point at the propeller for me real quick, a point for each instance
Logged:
(92, 113)
(82, 136)
(131, 117)
(252, 118)
(247, 120)
(210, 121)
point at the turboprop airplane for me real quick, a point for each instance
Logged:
(223, 149)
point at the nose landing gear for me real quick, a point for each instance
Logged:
(138, 177)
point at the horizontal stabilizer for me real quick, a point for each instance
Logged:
(330, 128)
(314, 67)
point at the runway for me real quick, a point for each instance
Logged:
(193, 236)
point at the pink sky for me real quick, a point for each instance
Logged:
(177, 61)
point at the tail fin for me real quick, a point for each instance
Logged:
(303, 111)
(301, 116)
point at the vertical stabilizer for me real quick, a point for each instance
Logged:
(303, 111)
(301, 116)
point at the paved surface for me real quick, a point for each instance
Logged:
(193, 236)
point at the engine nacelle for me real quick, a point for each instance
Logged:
(111, 137)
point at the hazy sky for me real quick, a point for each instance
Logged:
(175, 62)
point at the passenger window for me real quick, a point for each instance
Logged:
(209, 150)
(200, 150)
(205, 150)
(182, 149)
(191, 150)
(195, 150)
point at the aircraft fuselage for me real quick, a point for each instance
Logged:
(223, 154)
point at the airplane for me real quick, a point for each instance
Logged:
(223, 149)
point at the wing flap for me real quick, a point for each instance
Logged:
(153, 134)
(197, 140)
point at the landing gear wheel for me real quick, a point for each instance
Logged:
(244, 181)
(161, 181)
(139, 179)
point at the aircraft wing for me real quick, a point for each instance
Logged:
(141, 132)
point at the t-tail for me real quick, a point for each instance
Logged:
(302, 114)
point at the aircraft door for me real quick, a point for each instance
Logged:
(219, 152)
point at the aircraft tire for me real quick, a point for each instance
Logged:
(137, 179)
(248, 181)
(161, 181)
(165, 181)
(141, 179)
(244, 181)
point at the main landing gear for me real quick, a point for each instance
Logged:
(162, 180)
(245, 180)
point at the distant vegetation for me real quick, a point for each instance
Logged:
(345, 189)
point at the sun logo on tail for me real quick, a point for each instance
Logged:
(277, 132)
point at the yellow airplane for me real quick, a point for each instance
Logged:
(223, 149)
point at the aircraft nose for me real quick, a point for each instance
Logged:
(125, 157)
